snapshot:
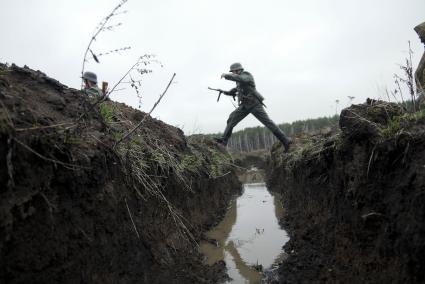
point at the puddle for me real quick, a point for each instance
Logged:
(249, 236)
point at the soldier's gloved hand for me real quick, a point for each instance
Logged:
(222, 75)
(233, 91)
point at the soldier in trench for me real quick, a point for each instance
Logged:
(250, 101)
(420, 71)
(90, 85)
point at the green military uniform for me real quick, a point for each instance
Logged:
(91, 88)
(93, 91)
(420, 71)
(250, 101)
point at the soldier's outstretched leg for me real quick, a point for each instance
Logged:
(259, 112)
(234, 118)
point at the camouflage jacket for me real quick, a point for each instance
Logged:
(93, 91)
(245, 87)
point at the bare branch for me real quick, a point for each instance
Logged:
(148, 114)
(66, 165)
(98, 30)
(69, 124)
(144, 59)
(131, 218)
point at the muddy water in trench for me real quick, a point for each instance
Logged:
(249, 235)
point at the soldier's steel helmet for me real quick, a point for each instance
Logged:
(420, 30)
(90, 76)
(236, 66)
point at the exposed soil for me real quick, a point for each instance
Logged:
(75, 210)
(355, 202)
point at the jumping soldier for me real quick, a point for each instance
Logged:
(250, 101)
(420, 71)
(90, 85)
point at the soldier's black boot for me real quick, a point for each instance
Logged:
(221, 141)
(287, 144)
(285, 140)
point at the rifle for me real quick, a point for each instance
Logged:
(220, 91)
(104, 87)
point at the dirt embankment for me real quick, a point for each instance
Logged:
(75, 210)
(355, 201)
(248, 160)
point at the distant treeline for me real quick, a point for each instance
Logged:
(257, 138)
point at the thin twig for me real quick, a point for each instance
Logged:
(8, 118)
(44, 127)
(66, 165)
(9, 164)
(370, 161)
(131, 218)
(148, 114)
(50, 204)
(84, 234)
(105, 96)
(400, 91)
(364, 119)
(123, 77)
(409, 73)
(97, 32)
(216, 177)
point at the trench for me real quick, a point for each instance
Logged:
(249, 239)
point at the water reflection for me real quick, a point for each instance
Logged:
(220, 234)
(249, 238)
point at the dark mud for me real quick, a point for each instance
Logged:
(75, 210)
(355, 202)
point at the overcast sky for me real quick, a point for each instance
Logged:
(303, 54)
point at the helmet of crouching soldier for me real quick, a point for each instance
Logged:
(235, 67)
(90, 76)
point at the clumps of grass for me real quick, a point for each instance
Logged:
(110, 116)
(399, 124)
(73, 140)
(217, 165)
(117, 134)
(393, 127)
(191, 163)
(311, 148)
(208, 160)
(150, 164)
(107, 113)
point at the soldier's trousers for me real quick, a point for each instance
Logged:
(259, 112)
